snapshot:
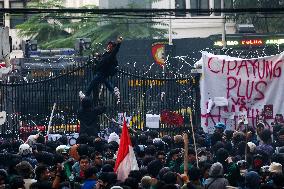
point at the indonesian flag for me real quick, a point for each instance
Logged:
(126, 160)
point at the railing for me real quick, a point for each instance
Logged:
(28, 100)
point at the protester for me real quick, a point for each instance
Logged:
(25, 170)
(216, 177)
(233, 159)
(252, 180)
(106, 66)
(88, 117)
(90, 178)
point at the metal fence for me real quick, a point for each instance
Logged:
(28, 100)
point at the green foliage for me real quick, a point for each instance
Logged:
(111, 28)
(56, 31)
(264, 23)
(43, 27)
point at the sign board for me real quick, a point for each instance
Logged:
(152, 121)
(71, 138)
(254, 41)
(247, 84)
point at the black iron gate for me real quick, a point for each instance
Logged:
(28, 100)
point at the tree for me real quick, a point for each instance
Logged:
(263, 23)
(109, 28)
(43, 27)
(100, 28)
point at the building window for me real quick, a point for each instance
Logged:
(199, 4)
(1, 14)
(228, 4)
(16, 19)
(180, 5)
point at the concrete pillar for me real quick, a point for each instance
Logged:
(7, 16)
(211, 6)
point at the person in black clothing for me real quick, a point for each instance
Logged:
(105, 67)
(88, 117)
(43, 176)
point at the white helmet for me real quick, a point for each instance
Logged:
(62, 149)
(25, 149)
(113, 137)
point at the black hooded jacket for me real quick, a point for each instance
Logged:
(107, 63)
(89, 120)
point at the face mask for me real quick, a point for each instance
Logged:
(203, 158)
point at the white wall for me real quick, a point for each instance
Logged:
(80, 3)
(113, 4)
(194, 26)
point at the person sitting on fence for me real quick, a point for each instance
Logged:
(106, 66)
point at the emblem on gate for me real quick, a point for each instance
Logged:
(158, 53)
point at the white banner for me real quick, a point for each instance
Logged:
(71, 138)
(153, 121)
(247, 84)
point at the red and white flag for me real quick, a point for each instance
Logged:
(126, 160)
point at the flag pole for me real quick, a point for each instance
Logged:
(50, 120)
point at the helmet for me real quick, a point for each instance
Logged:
(62, 149)
(220, 125)
(25, 149)
(113, 137)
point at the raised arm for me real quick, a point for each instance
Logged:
(116, 49)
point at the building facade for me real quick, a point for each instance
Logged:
(116, 4)
(197, 24)
(183, 25)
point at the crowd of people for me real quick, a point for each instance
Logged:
(248, 159)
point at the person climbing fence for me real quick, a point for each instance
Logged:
(105, 67)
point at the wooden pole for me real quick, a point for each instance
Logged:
(185, 162)
(193, 136)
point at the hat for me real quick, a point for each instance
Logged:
(25, 149)
(201, 151)
(157, 140)
(146, 181)
(113, 137)
(216, 170)
(163, 171)
(252, 180)
(116, 187)
(220, 125)
(61, 149)
(260, 124)
(251, 146)
(275, 168)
